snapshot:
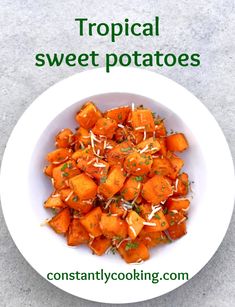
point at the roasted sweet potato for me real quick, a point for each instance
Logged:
(117, 182)
(131, 188)
(54, 201)
(64, 138)
(135, 224)
(62, 173)
(118, 153)
(91, 222)
(182, 185)
(157, 223)
(82, 137)
(118, 114)
(83, 186)
(100, 245)
(138, 164)
(113, 183)
(77, 234)
(142, 120)
(152, 239)
(133, 251)
(176, 142)
(156, 189)
(162, 166)
(105, 127)
(113, 226)
(150, 145)
(60, 222)
(59, 155)
(88, 115)
(178, 204)
(177, 225)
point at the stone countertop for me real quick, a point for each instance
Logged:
(30, 27)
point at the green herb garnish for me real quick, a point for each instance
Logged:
(131, 245)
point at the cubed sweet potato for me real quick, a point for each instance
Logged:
(156, 189)
(162, 166)
(83, 186)
(182, 185)
(62, 173)
(163, 149)
(91, 222)
(54, 201)
(133, 251)
(177, 225)
(118, 114)
(77, 234)
(88, 115)
(138, 164)
(72, 200)
(152, 239)
(59, 155)
(150, 145)
(83, 137)
(131, 188)
(135, 224)
(160, 129)
(116, 208)
(178, 204)
(157, 223)
(49, 169)
(176, 162)
(142, 120)
(105, 127)
(99, 245)
(113, 226)
(64, 138)
(60, 222)
(113, 183)
(176, 142)
(118, 153)
(95, 167)
(135, 136)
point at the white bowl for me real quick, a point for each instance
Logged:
(24, 187)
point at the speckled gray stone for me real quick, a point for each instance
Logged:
(28, 27)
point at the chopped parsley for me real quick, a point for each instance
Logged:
(139, 178)
(131, 245)
(64, 166)
(103, 179)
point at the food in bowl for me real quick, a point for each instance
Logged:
(117, 182)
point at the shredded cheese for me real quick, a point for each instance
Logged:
(149, 224)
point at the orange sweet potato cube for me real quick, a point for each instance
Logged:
(91, 222)
(83, 186)
(157, 223)
(118, 114)
(156, 189)
(88, 115)
(131, 188)
(113, 226)
(100, 244)
(113, 183)
(133, 251)
(177, 225)
(182, 185)
(77, 234)
(60, 222)
(176, 142)
(135, 224)
(142, 120)
(105, 126)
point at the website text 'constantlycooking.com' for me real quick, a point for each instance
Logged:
(101, 275)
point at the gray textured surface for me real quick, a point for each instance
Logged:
(28, 27)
